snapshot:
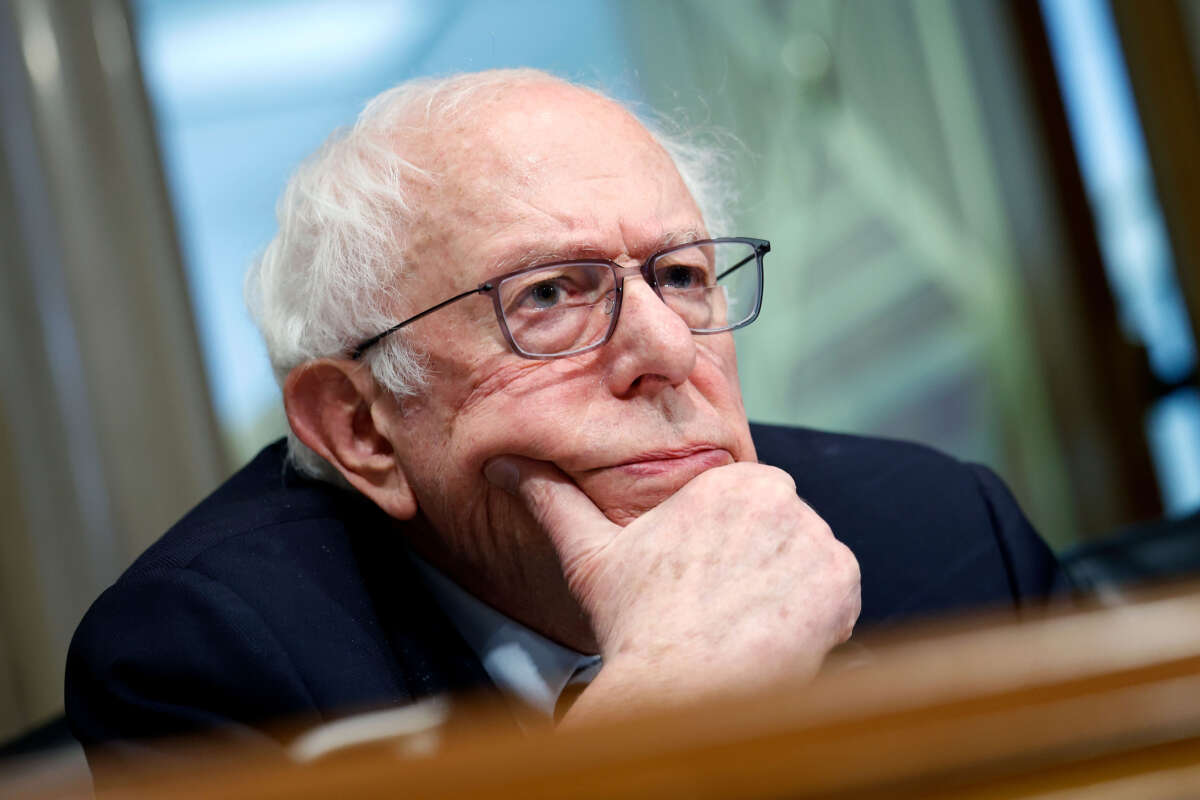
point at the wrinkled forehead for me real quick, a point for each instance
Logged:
(523, 132)
(539, 158)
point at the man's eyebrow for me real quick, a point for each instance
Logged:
(685, 236)
(539, 254)
(544, 255)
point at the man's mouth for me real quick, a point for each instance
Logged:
(635, 484)
(695, 460)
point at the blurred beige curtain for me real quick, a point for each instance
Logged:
(106, 434)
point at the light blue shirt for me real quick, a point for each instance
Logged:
(521, 662)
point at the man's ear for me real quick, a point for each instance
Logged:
(331, 406)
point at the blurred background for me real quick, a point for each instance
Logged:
(982, 216)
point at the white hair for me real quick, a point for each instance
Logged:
(330, 277)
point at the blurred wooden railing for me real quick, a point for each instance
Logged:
(1095, 703)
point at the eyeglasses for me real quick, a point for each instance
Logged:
(571, 307)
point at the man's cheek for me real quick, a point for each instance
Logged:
(717, 370)
(510, 384)
(546, 427)
(528, 437)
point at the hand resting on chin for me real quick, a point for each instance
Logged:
(731, 583)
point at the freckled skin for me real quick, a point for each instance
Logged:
(548, 165)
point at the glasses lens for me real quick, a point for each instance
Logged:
(558, 309)
(714, 286)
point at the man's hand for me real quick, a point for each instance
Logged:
(731, 583)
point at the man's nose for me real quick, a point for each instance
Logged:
(651, 346)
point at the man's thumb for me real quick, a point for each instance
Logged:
(568, 516)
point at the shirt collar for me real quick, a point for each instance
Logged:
(521, 662)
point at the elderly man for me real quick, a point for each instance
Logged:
(519, 456)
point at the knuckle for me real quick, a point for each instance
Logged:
(818, 531)
(853, 609)
(847, 563)
(779, 479)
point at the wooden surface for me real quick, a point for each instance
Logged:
(1099, 703)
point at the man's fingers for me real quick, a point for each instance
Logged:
(574, 524)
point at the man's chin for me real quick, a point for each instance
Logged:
(626, 491)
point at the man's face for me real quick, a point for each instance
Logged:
(551, 173)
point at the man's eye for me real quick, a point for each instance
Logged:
(545, 295)
(557, 288)
(680, 277)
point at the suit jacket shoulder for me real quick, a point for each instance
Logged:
(275, 598)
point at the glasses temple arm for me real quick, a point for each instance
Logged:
(738, 264)
(369, 343)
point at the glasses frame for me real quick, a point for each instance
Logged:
(646, 269)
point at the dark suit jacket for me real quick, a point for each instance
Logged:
(282, 597)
